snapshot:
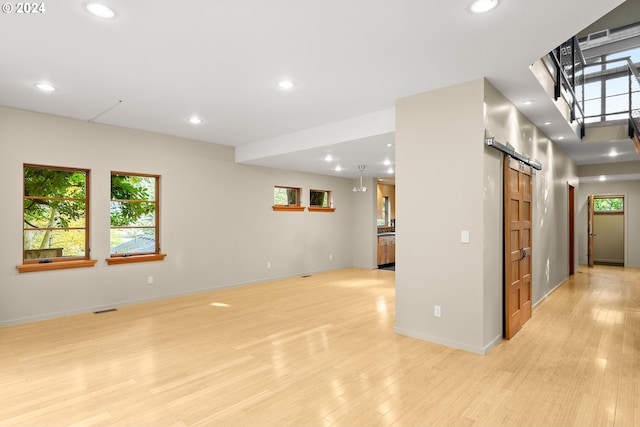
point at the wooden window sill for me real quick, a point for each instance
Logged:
(320, 209)
(288, 208)
(135, 258)
(57, 265)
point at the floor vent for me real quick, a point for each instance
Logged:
(108, 310)
(305, 276)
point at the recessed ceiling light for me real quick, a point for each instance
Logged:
(45, 87)
(389, 145)
(482, 6)
(528, 102)
(386, 162)
(561, 138)
(338, 169)
(195, 120)
(328, 158)
(547, 123)
(613, 153)
(602, 178)
(285, 84)
(390, 170)
(100, 10)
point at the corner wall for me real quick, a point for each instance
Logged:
(439, 193)
(218, 228)
(550, 239)
(448, 180)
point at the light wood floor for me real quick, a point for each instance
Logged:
(320, 351)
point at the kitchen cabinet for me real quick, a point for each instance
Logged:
(386, 249)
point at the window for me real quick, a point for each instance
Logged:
(386, 210)
(286, 196)
(319, 198)
(633, 54)
(593, 101)
(55, 218)
(134, 212)
(320, 201)
(286, 199)
(617, 98)
(608, 204)
(606, 92)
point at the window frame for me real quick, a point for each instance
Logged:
(319, 208)
(602, 75)
(127, 258)
(290, 207)
(608, 211)
(59, 263)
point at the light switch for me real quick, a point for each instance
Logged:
(464, 236)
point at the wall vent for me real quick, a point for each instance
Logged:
(108, 310)
(598, 35)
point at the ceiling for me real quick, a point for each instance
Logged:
(157, 63)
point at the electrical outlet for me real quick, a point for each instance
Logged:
(150, 280)
(436, 311)
(268, 264)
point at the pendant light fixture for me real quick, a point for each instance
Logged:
(362, 188)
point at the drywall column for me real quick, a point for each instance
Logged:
(363, 217)
(439, 194)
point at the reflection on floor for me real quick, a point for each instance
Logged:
(321, 351)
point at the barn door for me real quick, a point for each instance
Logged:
(517, 245)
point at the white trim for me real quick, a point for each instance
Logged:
(449, 343)
(545, 296)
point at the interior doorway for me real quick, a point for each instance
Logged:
(608, 229)
(572, 236)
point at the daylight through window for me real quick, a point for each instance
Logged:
(319, 198)
(286, 196)
(608, 204)
(134, 214)
(55, 214)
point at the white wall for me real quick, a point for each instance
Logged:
(631, 192)
(364, 230)
(447, 181)
(439, 192)
(217, 225)
(550, 238)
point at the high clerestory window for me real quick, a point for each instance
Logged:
(608, 204)
(607, 86)
(320, 198)
(320, 201)
(286, 198)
